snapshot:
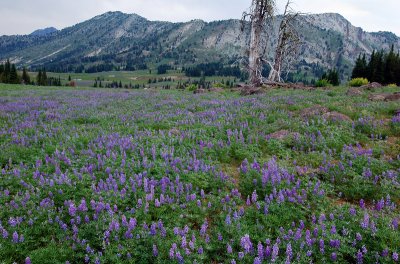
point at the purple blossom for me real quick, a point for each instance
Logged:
(395, 256)
(15, 237)
(246, 244)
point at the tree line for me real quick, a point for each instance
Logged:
(9, 74)
(212, 69)
(382, 67)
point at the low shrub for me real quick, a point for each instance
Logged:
(357, 82)
(323, 83)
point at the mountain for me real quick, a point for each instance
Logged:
(43, 32)
(128, 41)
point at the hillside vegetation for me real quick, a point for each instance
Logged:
(127, 176)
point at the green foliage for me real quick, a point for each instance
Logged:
(8, 73)
(41, 78)
(357, 82)
(212, 160)
(323, 83)
(192, 88)
(26, 79)
(332, 76)
(382, 67)
(162, 69)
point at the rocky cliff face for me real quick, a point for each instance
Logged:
(131, 41)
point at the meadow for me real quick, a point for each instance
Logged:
(153, 176)
(134, 78)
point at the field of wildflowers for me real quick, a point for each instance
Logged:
(122, 176)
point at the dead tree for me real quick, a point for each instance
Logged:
(287, 46)
(261, 13)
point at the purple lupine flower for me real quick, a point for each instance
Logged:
(228, 220)
(72, 209)
(155, 251)
(28, 260)
(229, 249)
(260, 250)
(246, 244)
(241, 255)
(4, 233)
(171, 253)
(365, 222)
(360, 257)
(334, 256)
(257, 260)
(289, 251)
(362, 204)
(321, 245)
(200, 251)
(15, 237)
(275, 252)
(395, 256)
(254, 197)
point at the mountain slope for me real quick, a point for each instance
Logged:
(128, 41)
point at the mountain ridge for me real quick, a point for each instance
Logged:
(130, 41)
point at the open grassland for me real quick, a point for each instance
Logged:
(134, 176)
(172, 78)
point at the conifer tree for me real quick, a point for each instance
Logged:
(390, 67)
(6, 74)
(360, 69)
(25, 77)
(1, 71)
(14, 79)
(44, 77)
(39, 78)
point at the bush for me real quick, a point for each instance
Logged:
(192, 88)
(357, 82)
(392, 85)
(323, 83)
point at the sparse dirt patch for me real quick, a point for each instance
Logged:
(336, 117)
(316, 110)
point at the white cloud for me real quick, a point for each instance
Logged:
(24, 16)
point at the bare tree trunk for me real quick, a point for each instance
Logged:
(288, 42)
(262, 12)
(255, 64)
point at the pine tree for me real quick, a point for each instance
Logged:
(44, 77)
(397, 70)
(390, 67)
(1, 71)
(333, 77)
(360, 69)
(25, 77)
(39, 78)
(6, 74)
(376, 67)
(14, 78)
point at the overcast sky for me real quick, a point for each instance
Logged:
(24, 16)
